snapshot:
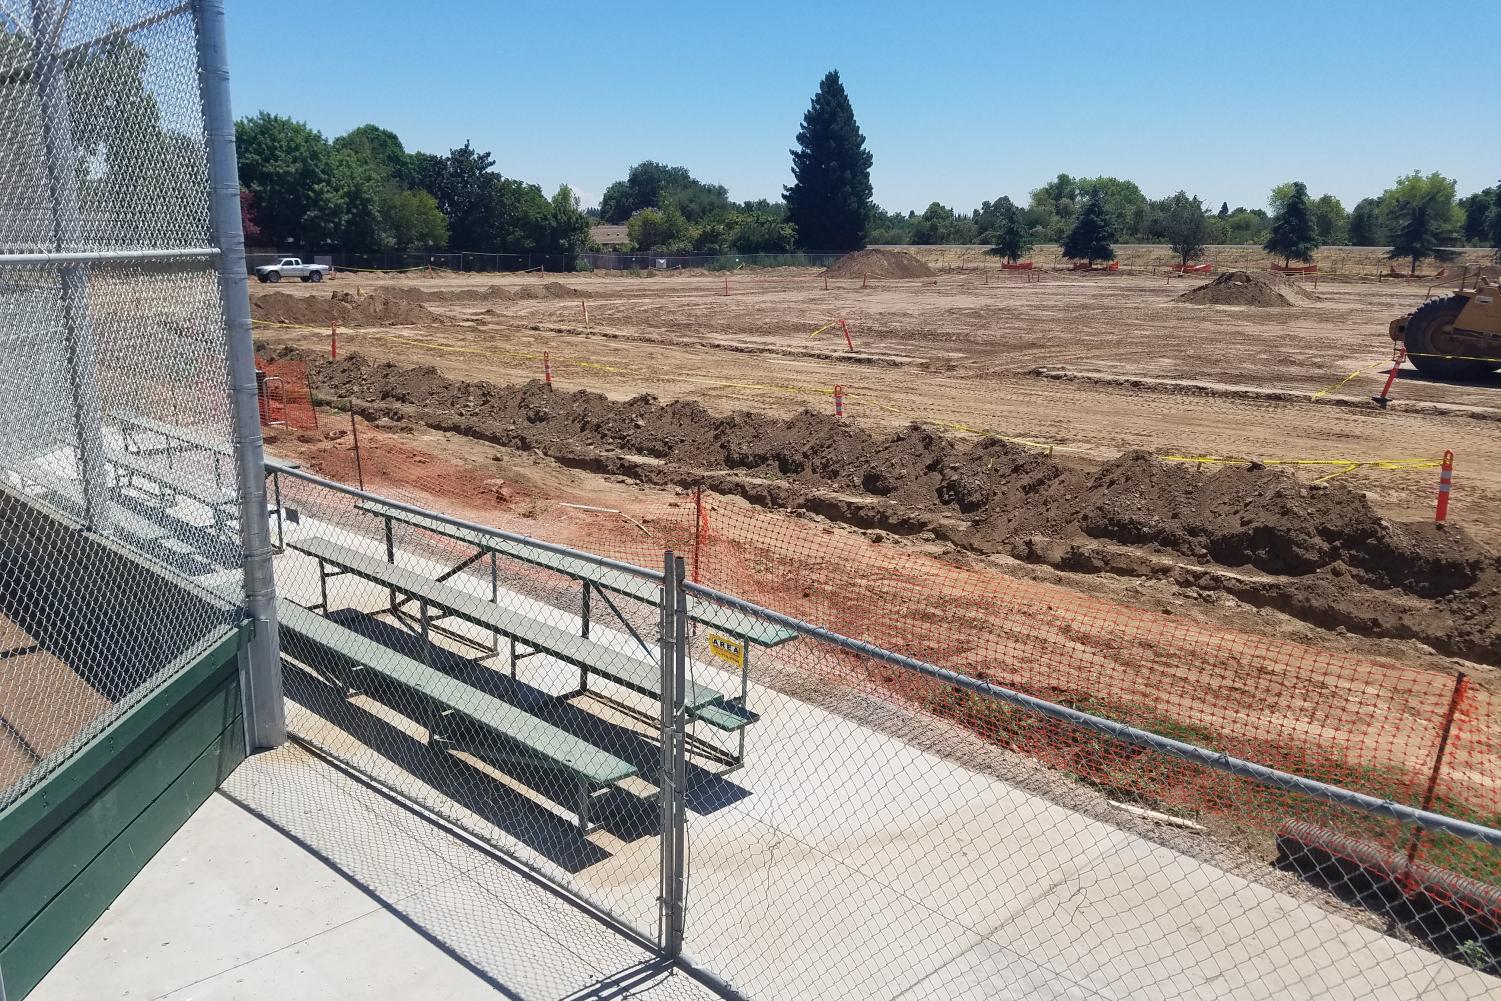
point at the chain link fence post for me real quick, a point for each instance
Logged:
(261, 682)
(673, 647)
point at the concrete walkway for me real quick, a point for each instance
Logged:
(298, 884)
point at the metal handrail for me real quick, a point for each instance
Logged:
(276, 469)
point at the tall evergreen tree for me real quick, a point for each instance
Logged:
(830, 198)
(1420, 218)
(1091, 236)
(1011, 237)
(1293, 236)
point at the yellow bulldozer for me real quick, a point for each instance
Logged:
(1457, 336)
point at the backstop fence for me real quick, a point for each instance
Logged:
(801, 813)
(129, 503)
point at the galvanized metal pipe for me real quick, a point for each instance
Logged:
(1121, 731)
(677, 872)
(666, 793)
(67, 236)
(106, 256)
(500, 533)
(261, 684)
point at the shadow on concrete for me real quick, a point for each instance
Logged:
(708, 790)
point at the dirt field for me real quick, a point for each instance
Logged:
(1052, 538)
(1093, 366)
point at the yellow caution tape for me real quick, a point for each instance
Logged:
(396, 271)
(821, 329)
(1430, 354)
(1343, 466)
(1337, 385)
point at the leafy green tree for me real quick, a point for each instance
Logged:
(289, 170)
(381, 149)
(1365, 223)
(829, 201)
(358, 185)
(1495, 224)
(1050, 208)
(1241, 226)
(764, 233)
(426, 170)
(1421, 216)
(1123, 202)
(1224, 209)
(932, 225)
(1477, 211)
(569, 230)
(1293, 236)
(649, 185)
(1187, 228)
(467, 194)
(1091, 236)
(1009, 237)
(1330, 220)
(414, 219)
(659, 230)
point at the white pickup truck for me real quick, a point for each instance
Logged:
(292, 267)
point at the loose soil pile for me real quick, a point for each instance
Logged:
(1322, 553)
(1248, 288)
(879, 264)
(344, 308)
(489, 293)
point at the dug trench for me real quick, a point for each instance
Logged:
(1318, 552)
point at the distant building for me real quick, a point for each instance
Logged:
(609, 237)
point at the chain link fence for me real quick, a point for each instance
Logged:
(508, 686)
(817, 816)
(120, 499)
(889, 851)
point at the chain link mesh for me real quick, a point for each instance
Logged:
(481, 679)
(119, 548)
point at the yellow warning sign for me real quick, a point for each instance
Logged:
(727, 649)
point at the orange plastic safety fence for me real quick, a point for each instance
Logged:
(1372, 725)
(290, 400)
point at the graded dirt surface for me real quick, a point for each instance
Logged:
(1078, 370)
(1092, 367)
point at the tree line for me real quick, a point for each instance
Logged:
(1418, 214)
(363, 192)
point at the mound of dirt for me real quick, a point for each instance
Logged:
(489, 293)
(879, 264)
(1247, 288)
(548, 290)
(341, 307)
(1324, 554)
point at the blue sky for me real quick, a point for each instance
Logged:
(959, 102)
